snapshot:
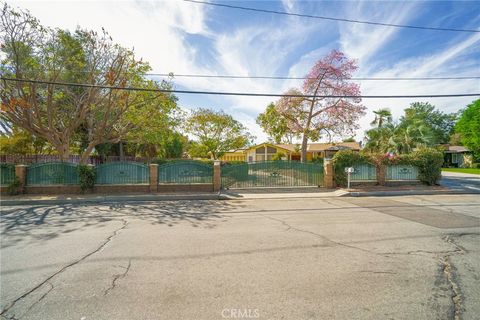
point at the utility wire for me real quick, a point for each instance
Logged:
(86, 85)
(303, 78)
(329, 18)
(227, 76)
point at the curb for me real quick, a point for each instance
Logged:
(223, 196)
(109, 199)
(405, 193)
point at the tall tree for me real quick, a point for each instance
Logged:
(468, 126)
(397, 139)
(19, 141)
(153, 125)
(56, 112)
(275, 125)
(425, 115)
(381, 116)
(216, 132)
(326, 101)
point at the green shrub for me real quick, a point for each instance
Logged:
(86, 175)
(278, 156)
(14, 187)
(476, 165)
(318, 160)
(429, 162)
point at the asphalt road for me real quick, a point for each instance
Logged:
(414, 257)
(461, 181)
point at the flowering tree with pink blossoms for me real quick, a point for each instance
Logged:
(327, 101)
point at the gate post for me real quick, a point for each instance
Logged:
(21, 174)
(153, 177)
(217, 176)
(328, 173)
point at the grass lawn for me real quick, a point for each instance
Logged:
(463, 170)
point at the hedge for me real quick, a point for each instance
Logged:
(428, 161)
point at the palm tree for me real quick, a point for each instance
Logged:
(378, 139)
(407, 138)
(382, 115)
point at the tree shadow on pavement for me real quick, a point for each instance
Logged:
(44, 222)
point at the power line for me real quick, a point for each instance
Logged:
(329, 18)
(227, 76)
(303, 78)
(250, 94)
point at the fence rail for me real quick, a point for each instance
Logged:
(7, 174)
(185, 172)
(52, 173)
(364, 172)
(95, 160)
(402, 173)
(122, 173)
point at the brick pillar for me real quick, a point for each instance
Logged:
(381, 174)
(153, 177)
(217, 176)
(21, 173)
(328, 174)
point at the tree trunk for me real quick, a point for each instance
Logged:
(87, 152)
(120, 147)
(304, 148)
(63, 152)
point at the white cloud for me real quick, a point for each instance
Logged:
(362, 41)
(288, 5)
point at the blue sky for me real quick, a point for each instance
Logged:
(181, 37)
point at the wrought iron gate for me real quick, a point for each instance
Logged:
(272, 174)
(185, 172)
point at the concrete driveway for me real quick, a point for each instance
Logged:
(413, 257)
(461, 181)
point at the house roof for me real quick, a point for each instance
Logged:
(457, 149)
(312, 147)
(316, 147)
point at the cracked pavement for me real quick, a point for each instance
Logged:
(412, 257)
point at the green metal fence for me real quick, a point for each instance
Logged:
(7, 173)
(364, 172)
(185, 172)
(272, 174)
(122, 173)
(402, 173)
(52, 173)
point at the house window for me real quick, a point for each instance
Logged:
(271, 150)
(454, 157)
(260, 150)
(260, 157)
(265, 153)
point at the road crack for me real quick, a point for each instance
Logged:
(452, 277)
(71, 264)
(290, 227)
(456, 296)
(118, 277)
